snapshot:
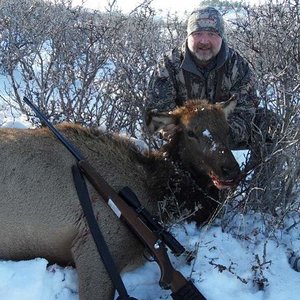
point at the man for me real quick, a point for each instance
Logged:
(205, 68)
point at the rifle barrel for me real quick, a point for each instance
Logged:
(75, 152)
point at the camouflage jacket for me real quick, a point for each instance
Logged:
(177, 78)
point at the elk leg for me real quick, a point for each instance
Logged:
(94, 282)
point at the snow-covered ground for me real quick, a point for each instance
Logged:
(241, 263)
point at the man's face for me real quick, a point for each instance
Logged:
(204, 45)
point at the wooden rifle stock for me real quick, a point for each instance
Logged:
(181, 288)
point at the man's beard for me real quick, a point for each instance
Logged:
(204, 56)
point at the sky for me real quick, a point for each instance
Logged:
(165, 5)
(228, 264)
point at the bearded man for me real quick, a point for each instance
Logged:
(206, 68)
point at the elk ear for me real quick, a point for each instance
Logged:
(158, 120)
(229, 105)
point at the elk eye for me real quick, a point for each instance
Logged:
(191, 134)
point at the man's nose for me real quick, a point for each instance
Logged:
(204, 39)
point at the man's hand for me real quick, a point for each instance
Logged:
(169, 131)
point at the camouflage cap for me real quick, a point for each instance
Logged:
(206, 19)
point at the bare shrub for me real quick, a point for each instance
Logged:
(269, 36)
(78, 65)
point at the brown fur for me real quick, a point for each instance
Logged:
(40, 212)
(194, 158)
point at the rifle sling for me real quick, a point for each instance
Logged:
(101, 245)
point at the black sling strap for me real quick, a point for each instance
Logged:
(101, 245)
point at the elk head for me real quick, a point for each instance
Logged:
(201, 141)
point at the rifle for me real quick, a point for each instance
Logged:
(130, 197)
(181, 288)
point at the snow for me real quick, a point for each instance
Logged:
(229, 265)
(32, 280)
(236, 261)
(207, 133)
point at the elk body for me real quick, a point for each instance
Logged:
(40, 213)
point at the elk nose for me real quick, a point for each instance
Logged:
(230, 172)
